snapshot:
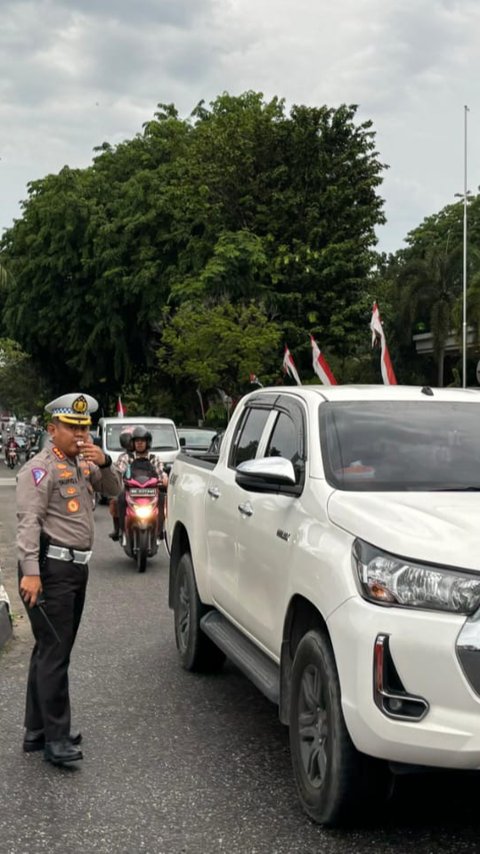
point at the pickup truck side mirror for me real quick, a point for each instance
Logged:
(183, 441)
(265, 473)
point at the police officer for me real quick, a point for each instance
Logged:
(55, 538)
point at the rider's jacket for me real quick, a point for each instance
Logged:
(126, 462)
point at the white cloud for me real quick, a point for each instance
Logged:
(73, 74)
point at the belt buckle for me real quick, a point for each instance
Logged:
(80, 557)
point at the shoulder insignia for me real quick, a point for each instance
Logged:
(38, 475)
(73, 505)
(58, 453)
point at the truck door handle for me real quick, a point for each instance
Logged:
(213, 491)
(246, 508)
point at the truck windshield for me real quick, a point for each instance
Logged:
(163, 436)
(401, 445)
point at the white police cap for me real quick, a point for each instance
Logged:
(73, 408)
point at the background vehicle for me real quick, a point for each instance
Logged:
(195, 440)
(165, 442)
(332, 553)
(12, 457)
(21, 442)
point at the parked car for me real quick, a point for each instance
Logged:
(332, 553)
(195, 440)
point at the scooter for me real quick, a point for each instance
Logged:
(12, 457)
(143, 518)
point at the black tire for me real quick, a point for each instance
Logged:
(142, 550)
(333, 779)
(196, 650)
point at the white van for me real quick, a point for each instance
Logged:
(165, 442)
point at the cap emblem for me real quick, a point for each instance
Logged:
(79, 405)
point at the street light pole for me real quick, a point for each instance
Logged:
(465, 201)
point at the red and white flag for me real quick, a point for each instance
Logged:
(120, 409)
(320, 365)
(378, 335)
(289, 366)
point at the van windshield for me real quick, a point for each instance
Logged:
(163, 436)
(401, 446)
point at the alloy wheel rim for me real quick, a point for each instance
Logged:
(313, 726)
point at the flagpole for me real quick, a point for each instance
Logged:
(465, 200)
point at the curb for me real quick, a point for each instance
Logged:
(5, 624)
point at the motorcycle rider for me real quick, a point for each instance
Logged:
(138, 444)
(11, 443)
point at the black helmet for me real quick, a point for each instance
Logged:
(141, 432)
(125, 437)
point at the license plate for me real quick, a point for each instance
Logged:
(142, 491)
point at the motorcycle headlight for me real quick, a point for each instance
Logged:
(389, 580)
(143, 512)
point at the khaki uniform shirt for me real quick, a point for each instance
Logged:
(54, 495)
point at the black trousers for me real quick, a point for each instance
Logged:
(48, 702)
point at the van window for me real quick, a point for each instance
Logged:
(163, 436)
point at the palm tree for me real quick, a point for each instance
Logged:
(429, 287)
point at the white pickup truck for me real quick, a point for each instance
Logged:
(333, 553)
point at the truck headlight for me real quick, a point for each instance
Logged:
(389, 580)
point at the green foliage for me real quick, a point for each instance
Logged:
(241, 205)
(426, 282)
(219, 346)
(21, 388)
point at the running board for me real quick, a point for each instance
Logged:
(259, 668)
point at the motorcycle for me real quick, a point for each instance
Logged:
(143, 518)
(12, 457)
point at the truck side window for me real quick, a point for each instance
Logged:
(251, 429)
(283, 442)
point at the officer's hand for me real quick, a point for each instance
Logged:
(92, 453)
(30, 589)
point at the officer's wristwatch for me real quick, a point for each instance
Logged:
(107, 463)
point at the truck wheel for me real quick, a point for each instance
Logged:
(197, 652)
(333, 779)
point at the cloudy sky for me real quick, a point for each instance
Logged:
(74, 73)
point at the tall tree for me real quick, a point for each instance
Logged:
(426, 280)
(241, 202)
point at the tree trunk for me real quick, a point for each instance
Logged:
(441, 362)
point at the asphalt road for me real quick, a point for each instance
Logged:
(176, 763)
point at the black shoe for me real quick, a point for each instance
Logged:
(114, 536)
(62, 752)
(34, 739)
